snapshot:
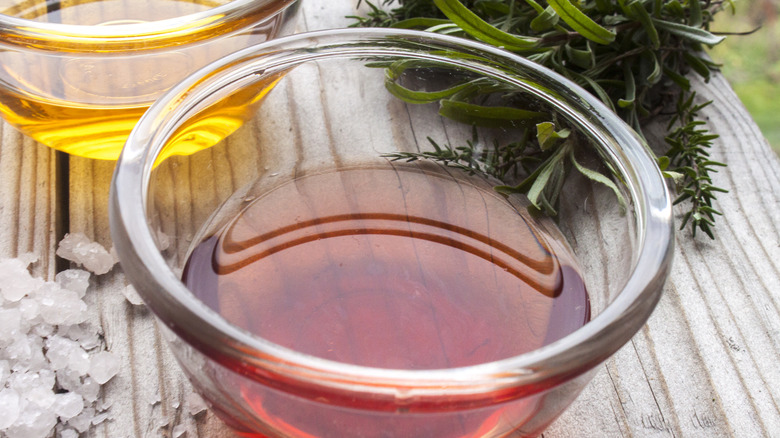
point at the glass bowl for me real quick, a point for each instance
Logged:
(314, 279)
(77, 76)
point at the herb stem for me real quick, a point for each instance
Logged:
(635, 56)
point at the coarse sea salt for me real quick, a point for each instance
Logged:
(78, 248)
(103, 366)
(131, 295)
(178, 431)
(195, 404)
(51, 366)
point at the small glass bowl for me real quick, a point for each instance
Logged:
(77, 76)
(321, 101)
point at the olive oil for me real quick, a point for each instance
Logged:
(85, 101)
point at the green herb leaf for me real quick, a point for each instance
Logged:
(412, 96)
(689, 32)
(537, 7)
(630, 85)
(698, 65)
(639, 13)
(479, 115)
(656, 71)
(599, 178)
(694, 16)
(581, 58)
(581, 23)
(482, 30)
(546, 20)
(634, 55)
(548, 136)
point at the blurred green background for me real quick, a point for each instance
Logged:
(751, 63)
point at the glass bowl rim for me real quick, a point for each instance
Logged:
(211, 334)
(207, 24)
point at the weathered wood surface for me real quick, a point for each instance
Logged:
(706, 364)
(30, 200)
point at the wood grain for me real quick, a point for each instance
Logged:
(30, 200)
(150, 395)
(705, 365)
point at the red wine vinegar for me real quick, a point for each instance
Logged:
(391, 267)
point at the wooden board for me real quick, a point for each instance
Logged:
(704, 366)
(30, 200)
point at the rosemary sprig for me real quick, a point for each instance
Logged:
(689, 143)
(634, 55)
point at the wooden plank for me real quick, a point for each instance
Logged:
(29, 200)
(150, 395)
(705, 365)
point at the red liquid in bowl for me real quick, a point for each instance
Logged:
(390, 268)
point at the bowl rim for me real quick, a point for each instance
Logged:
(264, 361)
(144, 36)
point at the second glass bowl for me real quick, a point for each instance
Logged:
(77, 76)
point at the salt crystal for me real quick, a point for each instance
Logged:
(103, 366)
(58, 351)
(79, 361)
(67, 405)
(35, 387)
(76, 280)
(163, 240)
(114, 254)
(49, 384)
(103, 405)
(15, 291)
(87, 336)
(76, 247)
(178, 430)
(20, 349)
(15, 280)
(23, 381)
(5, 371)
(60, 306)
(90, 341)
(9, 406)
(68, 433)
(29, 309)
(68, 379)
(37, 361)
(41, 396)
(99, 418)
(10, 325)
(132, 296)
(42, 330)
(82, 421)
(90, 390)
(156, 398)
(33, 422)
(66, 353)
(47, 377)
(195, 404)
